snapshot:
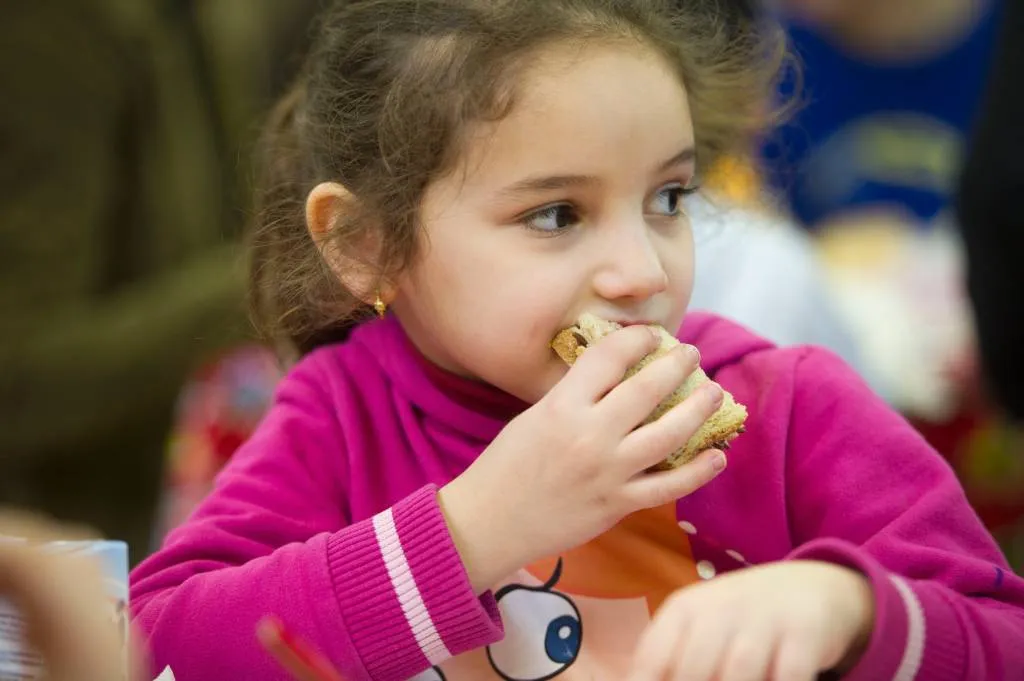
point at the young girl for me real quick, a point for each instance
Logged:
(481, 173)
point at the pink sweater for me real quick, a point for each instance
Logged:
(328, 518)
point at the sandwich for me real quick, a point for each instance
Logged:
(716, 433)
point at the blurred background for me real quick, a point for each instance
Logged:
(128, 370)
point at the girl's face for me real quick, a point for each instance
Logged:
(572, 203)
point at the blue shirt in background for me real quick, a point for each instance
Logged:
(876, 133)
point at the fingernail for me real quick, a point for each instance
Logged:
(714, 391)
(654, 333)
(719, 462)
(694, 353)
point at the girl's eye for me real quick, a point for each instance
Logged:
(669, 199)
(553, 219)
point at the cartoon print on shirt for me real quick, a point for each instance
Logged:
(579, 616)
(544, 631)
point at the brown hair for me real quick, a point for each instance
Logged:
(387, 90)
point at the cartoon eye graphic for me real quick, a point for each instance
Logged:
(432, 674)
(543, 632)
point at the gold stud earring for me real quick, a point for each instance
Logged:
(379, 306)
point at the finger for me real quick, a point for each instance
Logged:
(654, 654)
(793, 662)
(749, 658)
(700, 655)
(652, 443)
(662, 487)
(604, 364)
(634, 399)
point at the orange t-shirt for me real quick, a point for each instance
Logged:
(580, 615)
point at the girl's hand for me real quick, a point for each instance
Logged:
(780, 622)
(574, 464)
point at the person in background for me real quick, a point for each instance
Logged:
(119, 269)
(758, 268)
(871, 163)
(889, 90)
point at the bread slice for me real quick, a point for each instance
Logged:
(716, 433)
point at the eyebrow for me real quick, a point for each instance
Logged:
(532, 185)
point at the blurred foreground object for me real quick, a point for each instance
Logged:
(62, 604)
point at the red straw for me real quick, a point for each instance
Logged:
(297, 656)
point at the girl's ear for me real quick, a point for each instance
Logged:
(326, 206)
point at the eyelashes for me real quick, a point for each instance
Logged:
(557, 218)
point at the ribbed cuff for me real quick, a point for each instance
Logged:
(945, 652)
(403, 591)
(890, 640)
(464, 621)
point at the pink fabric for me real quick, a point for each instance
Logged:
(297, 525)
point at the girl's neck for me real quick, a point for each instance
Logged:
(907, 30)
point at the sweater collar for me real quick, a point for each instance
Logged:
(477, 410)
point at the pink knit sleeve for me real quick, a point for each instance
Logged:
(865, 491)
(384, 598)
